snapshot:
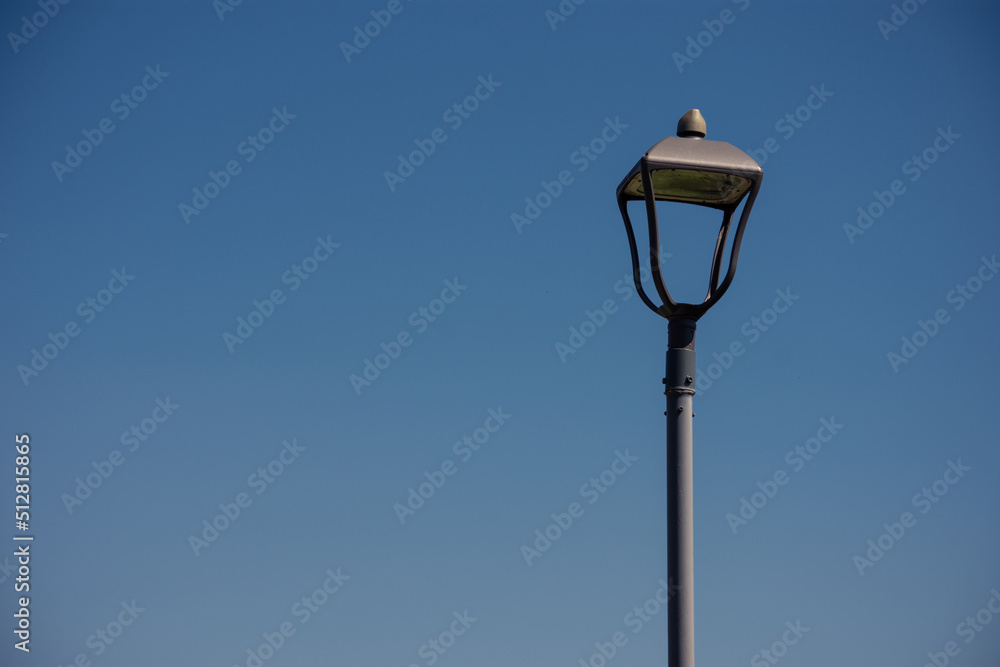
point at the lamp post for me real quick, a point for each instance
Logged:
(686, 169)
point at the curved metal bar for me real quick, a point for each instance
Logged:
(734, 255)
(720, 248)
(622, 205)
(654, 239)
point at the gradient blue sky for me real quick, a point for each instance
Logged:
(886, 98)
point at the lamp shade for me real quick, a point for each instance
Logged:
(694, 171)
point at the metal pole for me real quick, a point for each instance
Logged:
(679, 390)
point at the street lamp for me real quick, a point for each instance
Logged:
(687, 169)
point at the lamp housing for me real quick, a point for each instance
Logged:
(690, 169)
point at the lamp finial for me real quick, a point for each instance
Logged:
(692, 124)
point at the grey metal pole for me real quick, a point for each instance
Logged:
(680, 382)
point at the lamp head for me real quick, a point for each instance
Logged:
(690, 169)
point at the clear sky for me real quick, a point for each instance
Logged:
(311, 330)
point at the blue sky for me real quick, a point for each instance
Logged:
(861, 412)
